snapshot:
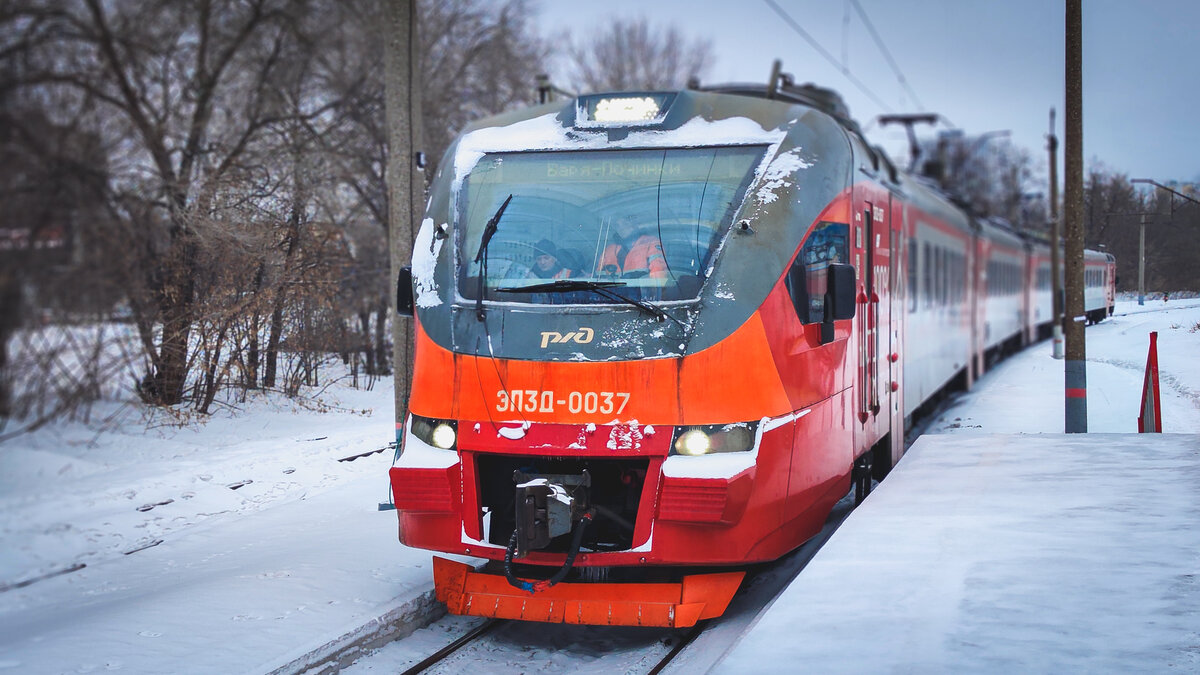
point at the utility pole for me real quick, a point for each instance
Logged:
(1076, 363)
(1055, 243)
(405, 183)
(1142, 233)
(1142, 261)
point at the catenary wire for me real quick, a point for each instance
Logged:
(862, 13)
(827, 56)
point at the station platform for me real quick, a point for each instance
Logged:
(1004, 553)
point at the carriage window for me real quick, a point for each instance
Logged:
(961, 277)
(647, 220)
(927, 277)
(955, 277)
(912, 276)
(944, 275)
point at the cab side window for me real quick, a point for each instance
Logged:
(827, 243)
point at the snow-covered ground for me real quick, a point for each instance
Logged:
(237, 544)
(242, 543)
(1000, 544)
(1024, 393)
(995, 553)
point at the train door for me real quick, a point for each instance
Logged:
(894, 393)
(978, 286)
(875, 335)
(881, 242)
(868, 320)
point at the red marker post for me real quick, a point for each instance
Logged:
(1150, 420)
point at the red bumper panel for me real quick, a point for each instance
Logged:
(704, 500)
(425, 490)
(671, 605)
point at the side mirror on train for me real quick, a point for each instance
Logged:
(839, 298)
(404, 292)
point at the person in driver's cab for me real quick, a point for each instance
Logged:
(634, 254)
(546, 265)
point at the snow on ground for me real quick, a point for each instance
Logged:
(269, 547)
(994, 553)
(1024, 393)
(1003, 545)
(70, 494)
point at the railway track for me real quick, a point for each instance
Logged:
(500, 646)
(476, 638)
(441, 654)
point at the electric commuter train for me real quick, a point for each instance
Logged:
(660, 334)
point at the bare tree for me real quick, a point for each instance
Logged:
(237, 152)
(179, 94)
(632, 54)
(990, 176)
(476, 58)
(52, 176)
(1113, 211)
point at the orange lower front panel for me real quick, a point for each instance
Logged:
(670, 605)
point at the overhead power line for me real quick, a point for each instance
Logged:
(886, 54)
(827, 56)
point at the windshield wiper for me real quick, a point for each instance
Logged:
(481, 255)
(598, 287)
(563, 286)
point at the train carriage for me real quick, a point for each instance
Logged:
(938, 317)
(1039, 291)
(1099, 285)
(660, 334)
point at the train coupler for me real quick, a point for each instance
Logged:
(548, 506)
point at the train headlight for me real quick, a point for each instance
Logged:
(622, 110)
(711, 438)
(632, 109)
(693, 442)
(444, 436)
(438, 433)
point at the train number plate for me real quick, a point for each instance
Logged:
(589, 402)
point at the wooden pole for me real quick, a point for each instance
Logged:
(404, 179)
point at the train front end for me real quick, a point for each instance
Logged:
(596, 406)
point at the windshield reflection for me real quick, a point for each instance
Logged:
(650, 219)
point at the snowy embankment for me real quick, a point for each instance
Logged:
(70, 494)
(237, 543)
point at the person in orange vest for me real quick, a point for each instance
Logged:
(633, 254)
(546, 265)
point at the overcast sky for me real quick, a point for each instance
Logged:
(986, 65)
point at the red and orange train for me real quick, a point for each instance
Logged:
(620, 442)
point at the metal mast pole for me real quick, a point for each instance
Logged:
(1142, 262)
(1055, 244)
(1076, 363)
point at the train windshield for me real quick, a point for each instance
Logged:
(578, 227)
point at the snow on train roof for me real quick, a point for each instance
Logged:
(548, 132)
